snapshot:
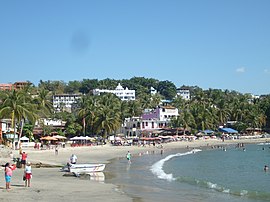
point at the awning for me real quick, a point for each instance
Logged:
(208, 131)
(24, 138)
(227, 130)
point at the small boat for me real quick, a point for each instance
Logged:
(78, 169)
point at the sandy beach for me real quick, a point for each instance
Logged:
(49, 184)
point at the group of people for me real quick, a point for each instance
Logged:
(27, 174)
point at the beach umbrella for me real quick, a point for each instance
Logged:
(59, 137)
(75, 138)
(48, 138)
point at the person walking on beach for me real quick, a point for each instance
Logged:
(56, 149)
(24, 158)
(28, 174)
(8, 174)
(128, 156)
(73, 159)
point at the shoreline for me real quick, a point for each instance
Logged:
(49, 184)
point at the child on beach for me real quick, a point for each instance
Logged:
(8, 174)
(28, 174)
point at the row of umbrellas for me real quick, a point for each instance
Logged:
(59, 137)
(55, 137)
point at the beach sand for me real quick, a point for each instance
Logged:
(49, 184)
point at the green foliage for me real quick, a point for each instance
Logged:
(28, 131)
(104, 114)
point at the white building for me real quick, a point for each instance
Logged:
(52, 122)
(183, 92)
(150, 121)
(123, 94)
(153, 91)
(65, 101)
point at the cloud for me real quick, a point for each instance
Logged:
(240, 70)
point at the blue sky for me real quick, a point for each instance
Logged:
(222, 44)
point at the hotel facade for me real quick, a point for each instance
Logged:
(123, 94)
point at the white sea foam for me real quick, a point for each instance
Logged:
(226, 191)
(265, 143)
(157, 168)
(243, 192)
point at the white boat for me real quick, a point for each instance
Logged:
(78, 169)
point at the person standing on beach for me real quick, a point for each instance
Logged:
(128, 156)
(8, 174)
(73, 159)
(28, 174)
(23, 161)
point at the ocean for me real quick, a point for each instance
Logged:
(205, 174)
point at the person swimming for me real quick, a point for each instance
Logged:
(265, 168)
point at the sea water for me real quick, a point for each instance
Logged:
(231, 173)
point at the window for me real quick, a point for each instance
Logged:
(152, 124)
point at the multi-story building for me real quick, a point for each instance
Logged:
(153, 91)
(17, 85)
(53, 124)
(64, 102)
(7, 86)
(6, 131)
(184, 92)
(123, 94)
(151, 121)
(20, 84)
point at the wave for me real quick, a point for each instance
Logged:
(265, 143)
(157, 168)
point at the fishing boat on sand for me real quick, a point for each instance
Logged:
(78, 169)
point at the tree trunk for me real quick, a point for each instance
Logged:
(14, 135)
(21, 130)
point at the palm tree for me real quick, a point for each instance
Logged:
(155, 100)
(86, 110)
(109, 116)
(124, 110)
(17, 106)
(185, 120)
(134, 108)
(145, 101)
(43, 101)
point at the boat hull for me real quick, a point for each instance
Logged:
(78, 169)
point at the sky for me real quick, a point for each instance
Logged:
(218, 44)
